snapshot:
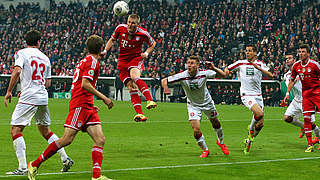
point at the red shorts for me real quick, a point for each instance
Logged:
(79, 118)
(125, 66)
(311, 104)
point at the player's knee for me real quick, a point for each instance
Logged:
(100, 141)
(259, 116)
(288, 119)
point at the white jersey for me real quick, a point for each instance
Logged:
(36, 69)
(194, 87)
(250, 77)
(297, 87)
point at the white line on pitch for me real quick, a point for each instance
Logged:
(58, 121)
(176, 166)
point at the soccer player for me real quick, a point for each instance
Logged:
(294, 111)
(193, 82)
(309, 74)
(130, 61)
(82, 114)
(251, 71)
(34, 70)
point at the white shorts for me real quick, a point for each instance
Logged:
(295, 110)
(249, 101)
(195, 112)
(23, 114)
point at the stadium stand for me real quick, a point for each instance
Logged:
(215, 30)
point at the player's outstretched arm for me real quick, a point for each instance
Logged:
(267, 73)
(290, 85)
(148, 51)
(164, 84)
(226, 70)
(87, 86)
(211, 66)
(13, 81)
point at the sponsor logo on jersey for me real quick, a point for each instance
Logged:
(91, 72)
(137, 38)
(303, 70)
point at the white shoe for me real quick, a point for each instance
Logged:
(18, 172)
(66, 164)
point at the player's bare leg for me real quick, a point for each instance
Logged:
(20, 149)
(95, 131)
(135, 76)
(216, 125)
(195, 124)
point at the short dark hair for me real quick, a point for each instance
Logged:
(94, 44)
(197, 58)
(304, 46)
(32, 37)
(254, 47)
(291, 52)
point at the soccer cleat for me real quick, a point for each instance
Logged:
(315, 140)
(205, 154)
(32, 171)
(151, 104)
(301, 133)
(223, 148)
(250, 134)
(247, 146)
(101, 178)
(309, 149)
(140, 118)
(66, 164)
(18, 172)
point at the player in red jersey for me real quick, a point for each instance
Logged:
(82, 114)
(130, 61)
(309, 73)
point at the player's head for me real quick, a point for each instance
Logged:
(32, 38)
(94, 44)
(193, 64)
(133, 23)
(251, 52)
(290, 58)
(304, 52)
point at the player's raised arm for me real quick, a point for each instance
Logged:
(164, 84)
(108, 45)
(13, 81)
(211, 66)
(265, 72)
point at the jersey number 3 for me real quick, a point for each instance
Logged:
(36, 67)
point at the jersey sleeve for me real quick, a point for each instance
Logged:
(116, 33)
(148, 39)
(211, 74)
(19, 61)
(175, 79)
(89, 69)
(49, 71)
(234, 66)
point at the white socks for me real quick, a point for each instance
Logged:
(219, 133)
(202, 143)
(20, 148)
(61, 151)
(297, 122)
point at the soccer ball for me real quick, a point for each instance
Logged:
(121, 8)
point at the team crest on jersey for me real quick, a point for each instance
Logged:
(192, 114)
(137, 38)
(91, 72)
(303, 70)
(309, 70)
(79, 124)
(123, 35)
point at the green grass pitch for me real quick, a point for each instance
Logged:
(164, 147)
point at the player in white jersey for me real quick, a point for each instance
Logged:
(193, 82)
(34, 70)
(251, 71)
(294, 110)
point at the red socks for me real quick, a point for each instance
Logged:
(143, 88)
(97, 156)
(308, 128)
(136, 101)
(50, 151)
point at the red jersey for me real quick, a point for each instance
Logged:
(130, 45)
(309, 75)
(86, 68)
